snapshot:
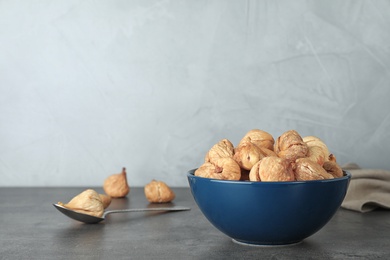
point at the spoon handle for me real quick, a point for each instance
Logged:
(144, 209)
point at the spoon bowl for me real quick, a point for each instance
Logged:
(82, 217)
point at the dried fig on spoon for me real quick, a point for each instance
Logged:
(116, 185)
(106, 200)
(87, 202)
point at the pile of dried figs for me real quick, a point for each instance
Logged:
(259, 157)
(116, 186)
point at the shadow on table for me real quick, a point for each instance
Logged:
(306, 249)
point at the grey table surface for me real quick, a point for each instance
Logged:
(31, 228)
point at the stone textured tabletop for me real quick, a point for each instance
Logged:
(31, 228)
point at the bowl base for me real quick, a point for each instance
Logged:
(265, 245)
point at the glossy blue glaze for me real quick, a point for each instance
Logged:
(268, 213)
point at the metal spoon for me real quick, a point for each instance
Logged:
(92, 219)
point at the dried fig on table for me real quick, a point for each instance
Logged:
(260, 138)
(306, 170)
(247, 154)
(291, 146)
(116, 185)
(333, 168)
(222, 169)
(272, 168)
(222, 149)
(158, 192)
(87, 202)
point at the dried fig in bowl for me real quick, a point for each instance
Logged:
(315, 141)
(306, 170)
(267, 152)
(222, 169)
(333, 168)
(247, 154)
(291, 146)
(260, 138)
(222, 149)
(318, 150)
(272, 168)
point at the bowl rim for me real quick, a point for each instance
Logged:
(346, 176)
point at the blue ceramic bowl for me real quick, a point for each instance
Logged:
(268, 213)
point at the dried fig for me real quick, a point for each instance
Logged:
(291, 146)
(247, 154)
(260, 138)
(332, 158)
(333, 168)
(272, 168)
(316, 155)
(158, 192)
(87, 202)
(222, 169)
(317, 147)
(106, 200)
(222, 149)
(267, 152)
(305, 170)
(315, 141)
(116, 185)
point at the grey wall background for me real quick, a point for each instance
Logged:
(87, 87)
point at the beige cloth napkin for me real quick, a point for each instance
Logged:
(368, 189)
